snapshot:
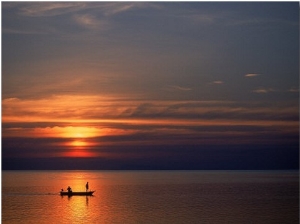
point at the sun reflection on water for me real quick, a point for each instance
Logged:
(80, 148)
(77, 207)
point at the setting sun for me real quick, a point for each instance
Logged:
(79, 152)
(79, 143)
(78, 132)
(79, 148)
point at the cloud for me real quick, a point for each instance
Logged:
(50, 9)
(205, 19)
(117, 8)
(263, 90)
(293, 90)
(179, 88)
(88, 21)
(62, 122)
(67, 108)
(218, 82)
(249, 75)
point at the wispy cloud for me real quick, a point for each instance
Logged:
(62, 108)
(249, 75)
(50, 9)
(89, 15)
(88, 21)
(180, 88)
(263, 90)
(205, 19)
(217, 82)
(100, 121)
(293, 90)
(117, 8)
(268, 90)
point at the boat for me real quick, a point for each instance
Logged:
(77, 193)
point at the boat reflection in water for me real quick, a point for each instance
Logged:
(78, 193)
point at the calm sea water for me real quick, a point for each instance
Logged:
(151, 197)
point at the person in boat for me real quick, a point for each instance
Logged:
(87, 186)
(69, 189)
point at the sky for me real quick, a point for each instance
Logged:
(150, 85)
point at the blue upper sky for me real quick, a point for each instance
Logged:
(152, 48)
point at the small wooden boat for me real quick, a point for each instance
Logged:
(77, 193)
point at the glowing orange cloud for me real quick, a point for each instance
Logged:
(75, 132)
(79, 118)
(61, 132)
(56, 108)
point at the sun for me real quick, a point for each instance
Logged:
(79, 143)
(79, 140)
(79, 148)
(80, 135)
(79, 132)
(75, 141)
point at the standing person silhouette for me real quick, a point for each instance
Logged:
(87, 186)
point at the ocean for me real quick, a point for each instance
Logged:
(151, 197)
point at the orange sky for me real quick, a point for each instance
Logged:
(84, 122)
